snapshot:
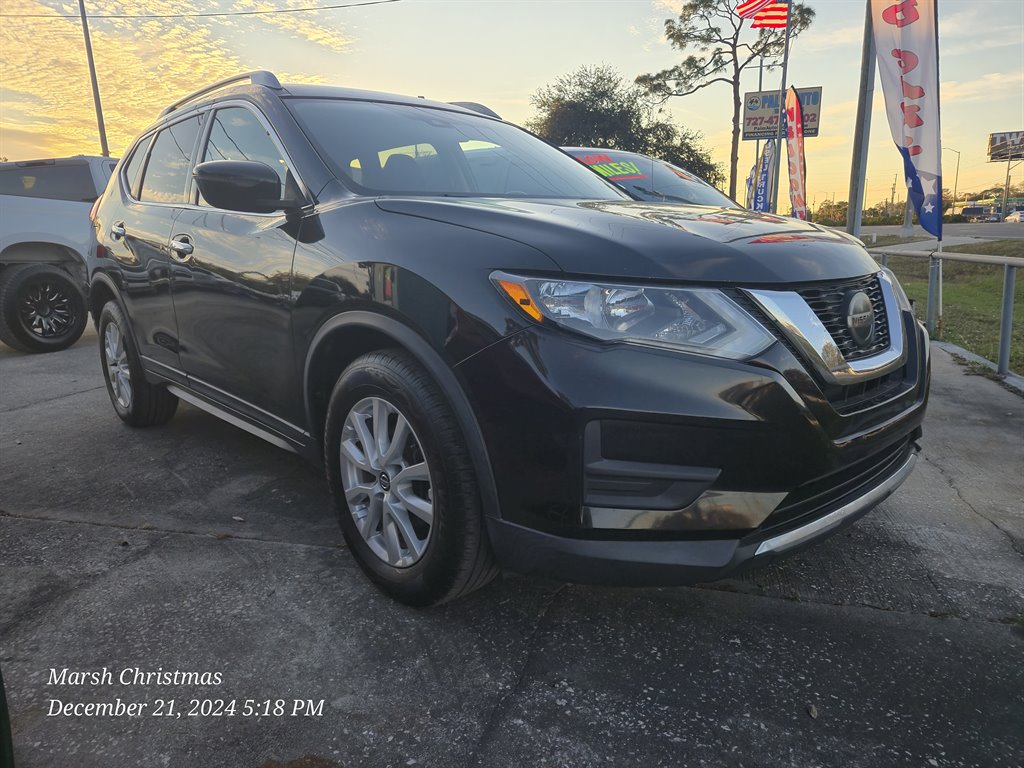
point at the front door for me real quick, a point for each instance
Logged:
(234, 304)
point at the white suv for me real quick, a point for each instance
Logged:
(46, 241)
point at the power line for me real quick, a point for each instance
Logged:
(193, 15)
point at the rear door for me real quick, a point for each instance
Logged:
(154, 185)
(234, 303)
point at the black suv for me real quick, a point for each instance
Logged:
(500, 358)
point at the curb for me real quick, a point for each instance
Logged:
(1012, 380)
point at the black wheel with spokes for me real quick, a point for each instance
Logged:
(42, 309)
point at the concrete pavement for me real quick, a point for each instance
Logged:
(897, 642)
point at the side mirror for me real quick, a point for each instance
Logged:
(240, 185)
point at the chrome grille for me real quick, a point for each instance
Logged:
(826, 301)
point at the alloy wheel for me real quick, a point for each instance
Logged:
(386, 479)
(115, 355)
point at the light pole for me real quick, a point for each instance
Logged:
(92, 75)
(956, 178)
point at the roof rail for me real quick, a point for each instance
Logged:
(475, 107)
(256, 77)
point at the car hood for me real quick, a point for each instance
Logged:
(656, 241)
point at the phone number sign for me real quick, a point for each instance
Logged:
(761, 113)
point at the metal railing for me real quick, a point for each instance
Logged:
(1009, 264)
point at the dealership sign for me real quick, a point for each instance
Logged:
(761, 113)
(1006, 146)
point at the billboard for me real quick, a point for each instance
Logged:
(761, 113)
(1008, 145)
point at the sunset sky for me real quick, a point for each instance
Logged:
(495, 52)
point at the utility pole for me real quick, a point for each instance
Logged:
(956, 178)
(908, 218)
(859, 164)
(1006, 191)
(92, 75)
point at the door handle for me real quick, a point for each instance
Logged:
(117, 231)
(181, 248)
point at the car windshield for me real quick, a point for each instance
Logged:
(397, 149)
(650, 179)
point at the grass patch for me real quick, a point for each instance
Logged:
(992, 248)
(886, 240)
(972, 299)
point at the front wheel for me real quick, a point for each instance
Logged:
(42, 309)
(403, 482)
(136, 401)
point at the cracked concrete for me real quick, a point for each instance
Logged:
(118, 549)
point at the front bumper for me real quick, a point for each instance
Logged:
(604, 455)
(675, 563)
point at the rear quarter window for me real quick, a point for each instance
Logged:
(73, 183)
(130, 175)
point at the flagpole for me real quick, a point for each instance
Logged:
(862, 129)
(760, 87)
(782, 95)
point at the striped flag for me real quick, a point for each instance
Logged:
(771, 16)
(747, 9)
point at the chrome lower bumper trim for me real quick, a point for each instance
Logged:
(790, 539)
(714, 510)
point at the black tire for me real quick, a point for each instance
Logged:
(457, 558)
(138, 402)
(42, 308)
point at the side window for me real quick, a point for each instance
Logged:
(134, 165)
(237, 134)
(72, 183)
(166, 174)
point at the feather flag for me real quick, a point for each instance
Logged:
(795, 152)
(772, 16)
(762, 198)
(907, 47)
(746, 10)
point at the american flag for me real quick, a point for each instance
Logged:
(746, 10)
(771, 16)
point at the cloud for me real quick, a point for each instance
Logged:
(814, 41)
(669, 6)
(958, 33)
(142, 65)
(320, 28)
(987, 87)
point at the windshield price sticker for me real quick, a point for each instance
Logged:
(613, 171)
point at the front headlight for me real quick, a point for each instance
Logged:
(702, 320)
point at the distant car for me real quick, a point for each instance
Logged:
(647, 178)
(1015, 216)
(992, 217)
(46, 240)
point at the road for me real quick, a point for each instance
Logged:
(196, 547)
(995, 231)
